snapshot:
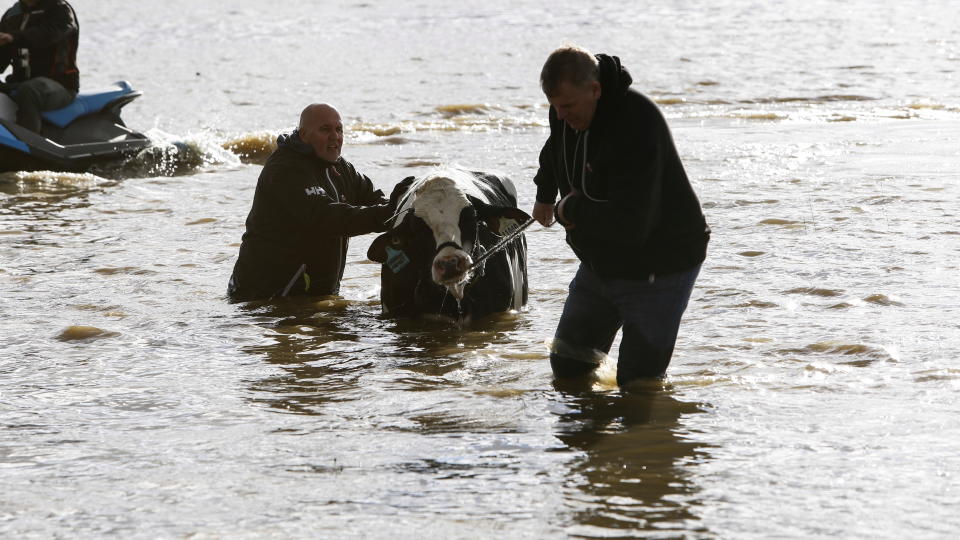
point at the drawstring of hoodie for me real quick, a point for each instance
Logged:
(614, 79)
(585, 136)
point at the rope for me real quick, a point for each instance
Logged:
(504, 242)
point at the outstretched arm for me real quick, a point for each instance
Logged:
(369, 195)
(316, 210)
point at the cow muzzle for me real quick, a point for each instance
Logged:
(450, 270)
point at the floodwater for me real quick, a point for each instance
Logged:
(813, 389)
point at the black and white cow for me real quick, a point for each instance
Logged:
(444, 221)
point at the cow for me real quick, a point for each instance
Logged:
(444, 221)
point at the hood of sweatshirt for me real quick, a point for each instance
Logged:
(614, 81)
(292, 141)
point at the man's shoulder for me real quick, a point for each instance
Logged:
(57, 4)
(14, 11)
(346, 166)
(636, 110)
(61, 8)
(284, 163)
(637, 101)
(349, 171)
(50, 9)
(284, 156)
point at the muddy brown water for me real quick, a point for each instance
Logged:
(813, 389)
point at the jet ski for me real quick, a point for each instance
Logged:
(73, 138)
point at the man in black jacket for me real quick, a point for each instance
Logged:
(39, 39)
(630, 214)
(308, 201)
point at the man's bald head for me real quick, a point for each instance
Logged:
(321, 128)
(316, 112)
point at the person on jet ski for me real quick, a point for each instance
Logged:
(38, 38)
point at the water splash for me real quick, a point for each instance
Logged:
(253, 147)
(171, 155)
(603, 376)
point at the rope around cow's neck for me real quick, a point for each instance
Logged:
(504, 242)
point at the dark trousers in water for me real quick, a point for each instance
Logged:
(37, 95)
(649, 311)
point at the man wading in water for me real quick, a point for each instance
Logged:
(308, 201)
(630, 213)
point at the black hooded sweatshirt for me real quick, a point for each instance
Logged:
(304, 208)
(637, 214)
(46, 36)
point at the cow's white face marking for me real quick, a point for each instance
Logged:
(439, 203)
(440, 198)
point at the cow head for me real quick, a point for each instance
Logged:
(442, 221)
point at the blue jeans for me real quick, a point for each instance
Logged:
(649, 312)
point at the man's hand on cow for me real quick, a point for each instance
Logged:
(5, 38)
(543, 213)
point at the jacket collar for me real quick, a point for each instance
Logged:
(292, 141)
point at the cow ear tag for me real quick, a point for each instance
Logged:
(502, 226)
(507, 225)
(396, 259)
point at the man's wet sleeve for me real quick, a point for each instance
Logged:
(545, 178)
(312, 208)
(368, 195)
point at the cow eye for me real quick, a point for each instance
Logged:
(395, 240)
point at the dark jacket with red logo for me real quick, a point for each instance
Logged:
(636, 213)
(44, 43)
(304, 209)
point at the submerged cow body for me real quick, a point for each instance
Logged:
(445, 221)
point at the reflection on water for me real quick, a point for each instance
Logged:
(345, 366)
(303, 342)
(45, 191)
(631, 475)
(326, 346)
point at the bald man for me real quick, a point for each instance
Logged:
(308, 202)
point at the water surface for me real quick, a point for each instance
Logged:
(812, 392)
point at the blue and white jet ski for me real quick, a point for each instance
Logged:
(87, 131)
